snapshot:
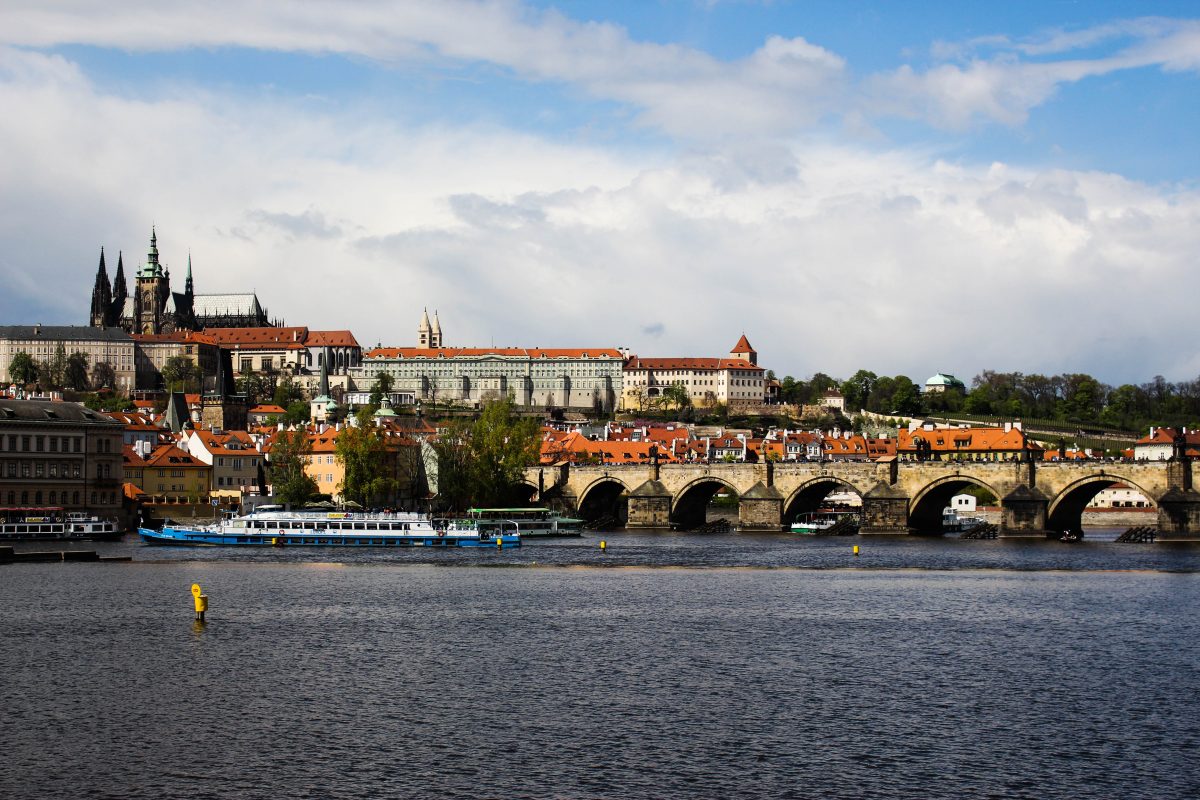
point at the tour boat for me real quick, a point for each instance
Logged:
(53, 523)
(953, 522)
(273, 527)
(532, 521)
(815, 524)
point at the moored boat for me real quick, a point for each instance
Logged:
(271, 527)
(543, 522)
(821, 522)
(53, 523)
(953, 522)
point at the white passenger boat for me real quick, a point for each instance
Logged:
(269, 526)
(53, 523)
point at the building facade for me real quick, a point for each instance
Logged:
(111, 346)
(60, 455)
(533, 378)
(736, 380)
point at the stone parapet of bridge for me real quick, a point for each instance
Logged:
(1036, 498)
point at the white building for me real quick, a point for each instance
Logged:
(537, 378)
(736, 380)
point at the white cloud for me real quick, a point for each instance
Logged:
(830, 257)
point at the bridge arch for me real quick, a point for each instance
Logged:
(1065, 511)
(603, 499)
(689, 506)
(809, 496)
(926, 507)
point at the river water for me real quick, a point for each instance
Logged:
(668, 666)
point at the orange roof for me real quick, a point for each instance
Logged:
(475, 352)
(179, 337)
(170, 455)
(969, 440)
(229, 443)
(131, 457)
(576, 447)
(743, 346)
(331, 339)
(635, 362)
(268, 408)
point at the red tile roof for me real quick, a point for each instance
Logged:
(636, 363)
(743, 346)
(475, 352)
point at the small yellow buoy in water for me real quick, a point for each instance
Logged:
(603, 544)
(855, 549)
(201, 602)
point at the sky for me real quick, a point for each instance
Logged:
(908, 188)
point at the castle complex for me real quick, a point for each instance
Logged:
(153, 308)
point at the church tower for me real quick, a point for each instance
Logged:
(425, 331)
(152, 289)
(101, 316)
(435, 336)
(742, 351)
(119, 293)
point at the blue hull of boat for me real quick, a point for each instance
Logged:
(200, 538)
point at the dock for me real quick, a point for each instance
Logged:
(9, 556)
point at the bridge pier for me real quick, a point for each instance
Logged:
(884, 510)
(1023, 514)
(649, 506)
(1179, 516)
(760, 509)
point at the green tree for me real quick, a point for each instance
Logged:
(77, 371)
(380, 387)
(287, 392)
(502, 445)
(857, 389)
(104, 376)
(289, 482)
(180, 374)
(23, 370)
(677, 396)
(451, 472)
(363, 455)
(54, 371)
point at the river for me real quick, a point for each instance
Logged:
(668, 666)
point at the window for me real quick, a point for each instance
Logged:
(247, 365)
(53, 447)
(24, 469)
(11, 469)
(25, 443)
(78, 445)
(39, 469)
(74, 473)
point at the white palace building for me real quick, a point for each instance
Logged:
(533, 377)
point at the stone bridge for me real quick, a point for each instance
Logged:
(1036, 498)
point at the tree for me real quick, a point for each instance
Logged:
(23, 370)
(54, 371)
(677, 395)
(363, 455)
(502, 445)
(104, 376)
(857, 389)
(287, 391)
(77, 371)
(180, 374)
(381, 387)
(451, 472)
(290, 483)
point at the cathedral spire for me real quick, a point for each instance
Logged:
(119, 292)
(101, 297)
(152, 269)
(187, 284)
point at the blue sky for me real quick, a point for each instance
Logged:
(908, 188)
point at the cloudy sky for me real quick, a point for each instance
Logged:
(902, 187)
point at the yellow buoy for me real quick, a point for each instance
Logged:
(855, 549)
(603, 544)
(200, 601)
